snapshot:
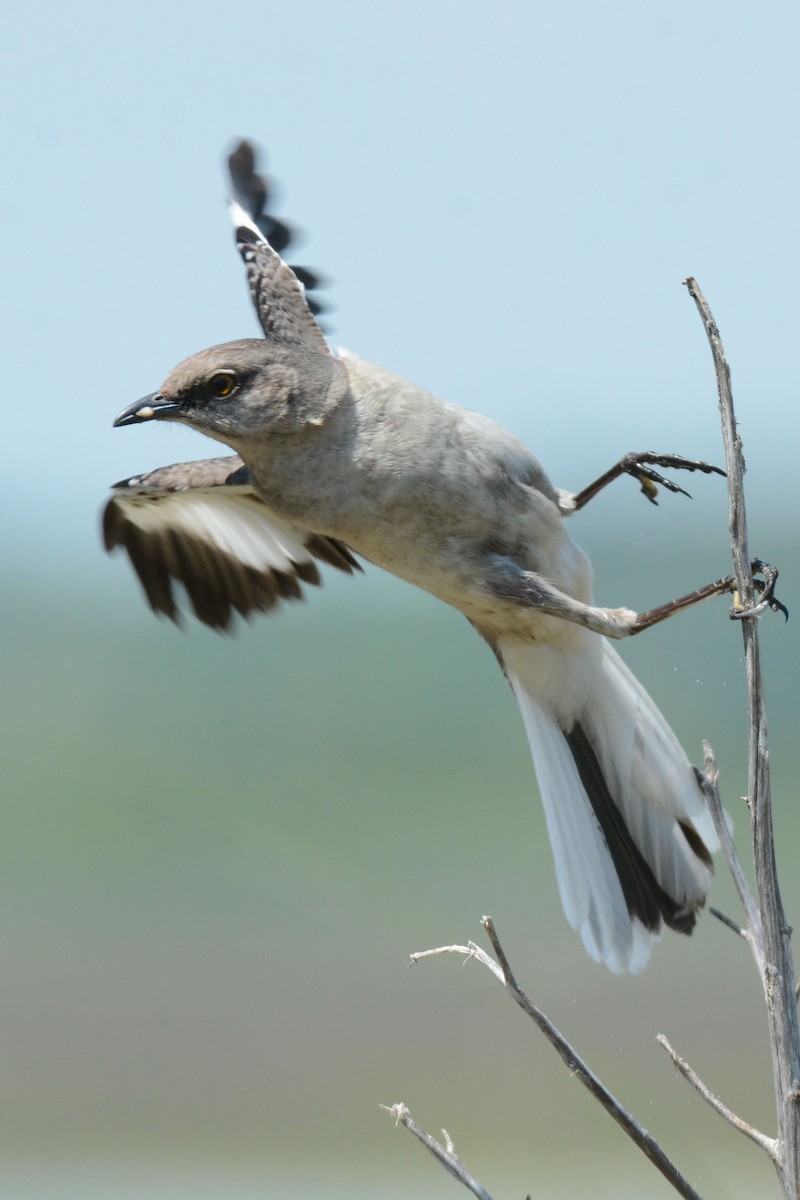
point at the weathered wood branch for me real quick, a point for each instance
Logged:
(640, 1136)
(770, 935)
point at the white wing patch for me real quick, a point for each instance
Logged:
(241, 218)
(187, 525)
(231, 520)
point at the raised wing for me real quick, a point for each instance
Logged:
(280, 293)
(202, 524)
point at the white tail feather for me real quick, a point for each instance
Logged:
(649, 779)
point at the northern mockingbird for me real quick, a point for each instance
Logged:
(337, 458)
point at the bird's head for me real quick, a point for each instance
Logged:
(245, 390)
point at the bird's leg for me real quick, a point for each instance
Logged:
(640, 466)
(508, 581)
(765, 589)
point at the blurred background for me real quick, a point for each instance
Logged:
(217, 853)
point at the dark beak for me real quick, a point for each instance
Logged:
(150, 408)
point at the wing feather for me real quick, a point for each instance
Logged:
(279, 292)
(203, 525)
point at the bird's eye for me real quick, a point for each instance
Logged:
(222, 383)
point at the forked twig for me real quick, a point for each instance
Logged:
(769, 933)
(446, 1155)
(636, 1132)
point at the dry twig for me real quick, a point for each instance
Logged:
(681, 1065)
(768, 932)
(446, 1154)
(636, 1132)
(752, 931)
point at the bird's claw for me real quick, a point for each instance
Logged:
(766, 592)
(640, 467)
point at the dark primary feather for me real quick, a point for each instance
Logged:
(253, 191)
(198, 524)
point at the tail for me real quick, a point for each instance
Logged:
(631, 832)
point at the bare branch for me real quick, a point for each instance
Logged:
(715, 912)
(636, 1132)
(734, 459)
(471, 950)
(752, 930)
(446, 1155)
(776, 967)
(766, 1143)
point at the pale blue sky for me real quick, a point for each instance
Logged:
(219, 852)
(504, 200)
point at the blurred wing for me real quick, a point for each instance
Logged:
(202, 524)
(279, 292)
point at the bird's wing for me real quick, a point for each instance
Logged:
(203, 525)
(281, 294)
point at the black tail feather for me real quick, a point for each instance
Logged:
(644, 896)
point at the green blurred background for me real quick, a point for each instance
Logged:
(218, 852)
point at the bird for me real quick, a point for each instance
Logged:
(338, 462)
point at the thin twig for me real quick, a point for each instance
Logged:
(636, 1132)
(726, 920)
(777, 970)
(446, 1155)
(766, 1143)
(752, 930)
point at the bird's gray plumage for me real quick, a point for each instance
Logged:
(335, 458)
